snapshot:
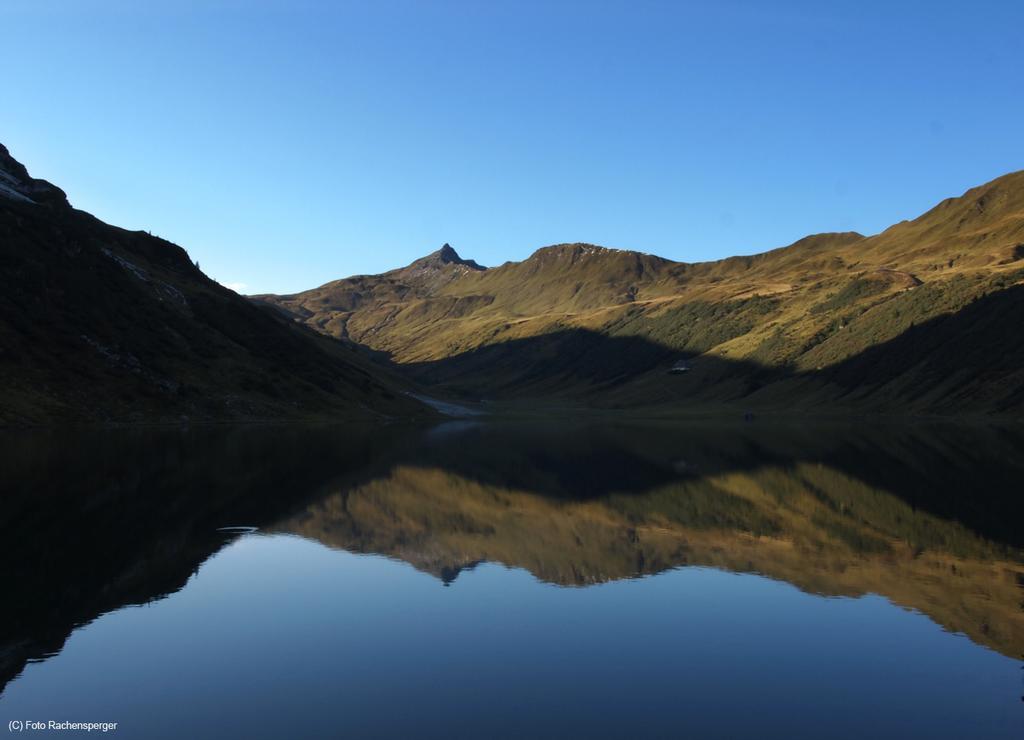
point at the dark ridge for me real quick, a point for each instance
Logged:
(13, 175)
(101, 324)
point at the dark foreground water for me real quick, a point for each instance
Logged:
(483, 580)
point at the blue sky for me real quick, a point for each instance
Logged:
(285, 144)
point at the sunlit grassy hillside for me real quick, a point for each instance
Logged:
(920, 317)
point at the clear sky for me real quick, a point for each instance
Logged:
(285, 144)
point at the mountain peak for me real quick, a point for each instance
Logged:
(16, 184)
(446, 255)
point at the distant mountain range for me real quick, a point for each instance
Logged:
(922, 318)
(102, 324)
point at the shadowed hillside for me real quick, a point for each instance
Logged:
(920, 370)
(102, 324)
(807, 319)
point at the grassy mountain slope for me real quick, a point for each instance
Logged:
(102, 324)
(785, 326)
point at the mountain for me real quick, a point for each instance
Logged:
(919, 318)
(102, 324)
(328, 307)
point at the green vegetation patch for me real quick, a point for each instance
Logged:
(697, 327)
(852, 293)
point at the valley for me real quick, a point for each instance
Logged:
(912, 320)
(100, 324)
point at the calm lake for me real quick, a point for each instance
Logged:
(487, 580)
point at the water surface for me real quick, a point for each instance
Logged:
(489, 580)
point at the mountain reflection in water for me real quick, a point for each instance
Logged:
(926, 517)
